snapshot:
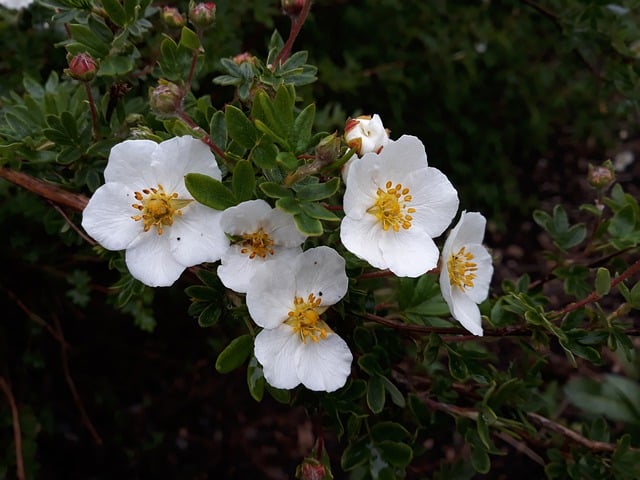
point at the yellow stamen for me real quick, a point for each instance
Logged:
(461, 269)
(305, 319)
(391, 207)
(257, 243)
(158, 208)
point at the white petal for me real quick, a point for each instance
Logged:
(276, 350)
(245, 217)
(282, 229)
(470, 229)
(324, 365)
(361, 237)
(466, 311)
(361, 187)
(151, 262)
(408, 253)
(129, 164)
(478, 293)
(196, 236)
(321, 271)
(107, 217)
(445, 283)
(178, 156)
(269, 301)
(435, 201)
(405, 155)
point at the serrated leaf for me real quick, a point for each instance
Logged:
(209, 191)
(235, 354)
(243, 181)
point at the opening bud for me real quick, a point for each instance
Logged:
(173, 18)
(312, 469)
(166, 98)
(202, 14)
(82, 67)
(292, 7)
(602, 176)
(366, 134)
(244, 57)
(329, 149)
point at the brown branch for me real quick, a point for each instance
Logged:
(15, 420)
(206, 139)
(45, 190)
(86, 421)
(296, 26)
(83, 235)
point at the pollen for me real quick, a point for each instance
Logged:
(461, 269)
(305, 320)
(257, 244)
(157, 208)
(391, 207)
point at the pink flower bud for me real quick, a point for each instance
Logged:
(601, 176)
(166, 98)
(173, 17)
(292, 7)
(244, 57)
(311, 469)
(82, 67)
(202, 14)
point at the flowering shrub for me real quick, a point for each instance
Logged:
(327, 261)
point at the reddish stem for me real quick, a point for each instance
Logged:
(94, 112)
(205, 138)
(17, 434)
(296, 26)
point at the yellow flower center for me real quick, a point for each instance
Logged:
(391, 207)
(461, 269)
(157, 208)
(305, 319)
(257, 244)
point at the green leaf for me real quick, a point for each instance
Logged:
(302, 127)
(255, 379)
(603, 281)
(396, 453)
(209, 316)
(243, 181)
(355, 455)
(391, 431)
(234, 354)
(209, 191)
(240, 128)
(375, 394)
(312, 227)
(115, 11)
(394, 393)
(200, 292)
(318, 191)
(287, 159)
(188, 38)
(369, 362)
(623, 222)
(275, 190)
(289, 204)
(315, 210)
(86, 37)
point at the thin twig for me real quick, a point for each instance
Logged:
(15, 420)
(522, 447)
(205, 136)
(95, 126)
(46, 190)
(83, 235)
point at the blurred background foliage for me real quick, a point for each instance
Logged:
(512, 100)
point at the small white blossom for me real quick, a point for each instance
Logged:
(15, 4)
(296, 345)
(145, 208)
(466, 271)
(366, 134)
(262, 235)
(394, 205)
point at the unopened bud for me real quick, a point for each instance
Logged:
(601, 176)
(328, 149)
(202, 14)
(244, 57)
(292, 7)
(166, 98)
(173, 17)
(366, 134)
(82, 67)
(311, 469)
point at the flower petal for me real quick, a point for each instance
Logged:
(465, 311)
(361, 237)
(107, 217)
(245, 217)
(129, 164)
(408, 253)
(269, 301)
(321, 271)
(282, 229)
(478, 293)
(436, 202)
(196, 236)
(324, 365)
(276, 350)
(469, 230)
(150, 261)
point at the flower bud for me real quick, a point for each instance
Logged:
(328, 149)
(173, 18)
(601, 176)
(366, 134)
(292, 7)
(202, 14)
(311, 469)
(82, 67)
(166, 98)
(244, 57)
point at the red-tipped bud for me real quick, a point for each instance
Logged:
(202, 14)
(244, 57)
(292, 7)
(312, 469)
(173, 17)
(601, 176)
(366, 134)
(82, 67)
(166, 98)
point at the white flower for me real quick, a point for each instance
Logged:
(263, 235)
(145, 209)
(466, 271)
(394, 205)
(296, 346)
(15, 4)
(366, 134)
